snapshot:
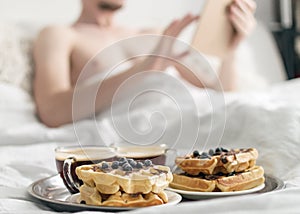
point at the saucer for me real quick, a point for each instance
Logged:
(205, 195)
(271, 184)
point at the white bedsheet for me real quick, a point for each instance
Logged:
(268, 120)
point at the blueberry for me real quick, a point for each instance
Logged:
(129, 160)
(133, 163)
(104, 165)
(148, 162)
(196, 153)
(204, 154)
(122, 159)
(122, 162)
(224, 150)
(125, 165)
(127, 168)
(139, 165)
(115, 165)
(220, 174)
(211, 152)
(218, 150)
(204, 157)
(224, 160)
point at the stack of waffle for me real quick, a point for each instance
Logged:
(218, 170)
(124, 183)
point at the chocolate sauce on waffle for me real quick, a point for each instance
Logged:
(211, 177)
(218, 151)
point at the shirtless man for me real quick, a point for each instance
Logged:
(61, 52)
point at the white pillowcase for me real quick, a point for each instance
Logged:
(16, 64)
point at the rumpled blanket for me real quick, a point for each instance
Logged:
(267, 120)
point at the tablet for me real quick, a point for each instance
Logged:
(214, 31)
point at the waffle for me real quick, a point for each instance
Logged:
(108, 178)
(91, 196)
(219, 161)
(248, 179)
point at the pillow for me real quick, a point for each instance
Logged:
(16, 64)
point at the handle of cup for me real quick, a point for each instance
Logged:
(66, 172)
(170, 159)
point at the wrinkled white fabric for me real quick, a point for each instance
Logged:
(16, 65)
(267, 120)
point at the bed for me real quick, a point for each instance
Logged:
(264, 115)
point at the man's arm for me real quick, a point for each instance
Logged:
(241, 15)
(52, 84)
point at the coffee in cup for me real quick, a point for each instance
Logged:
(159, 154)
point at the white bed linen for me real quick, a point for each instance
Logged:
(268, 120)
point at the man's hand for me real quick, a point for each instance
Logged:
(165, 46)
(176, 27)
(241, 14)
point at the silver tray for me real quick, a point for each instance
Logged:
(52, 192)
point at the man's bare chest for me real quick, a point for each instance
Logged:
(100, 51)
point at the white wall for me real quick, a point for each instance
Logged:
(159, 12)
(136, 12)
(39, 11)
(265, 11)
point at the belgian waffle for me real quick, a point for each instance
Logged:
(154, 178)
(124, 183)
(225, 183)
(91, 196)
(218, 161)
